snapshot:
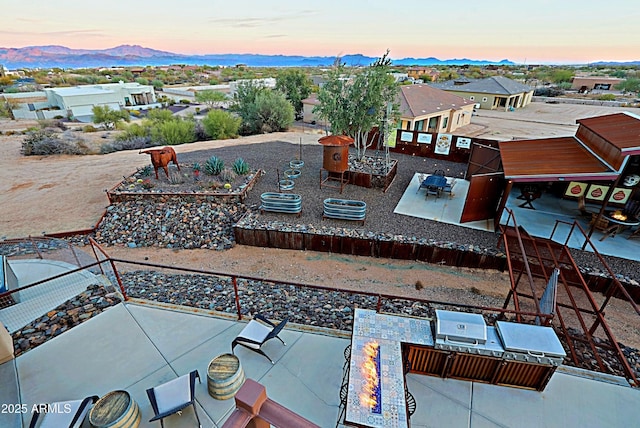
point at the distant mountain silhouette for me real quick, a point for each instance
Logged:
(134, 55)
(614, 63)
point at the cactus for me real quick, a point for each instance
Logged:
(240, 167)
(214, 165)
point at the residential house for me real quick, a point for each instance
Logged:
(496, 92)
(308, 116)
(428, 109)
(422, 108)
(590, 83)
(419, 72)
(78, 101)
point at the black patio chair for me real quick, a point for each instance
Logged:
(173, 397)
(72, 415)
(256, 334)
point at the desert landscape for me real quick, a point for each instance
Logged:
(52, 194)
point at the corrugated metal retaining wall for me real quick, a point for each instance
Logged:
(292, 240)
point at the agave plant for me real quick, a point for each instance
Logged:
(240, 167)
(214, 165)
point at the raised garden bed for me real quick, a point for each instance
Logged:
(372, 172)
(186, 182)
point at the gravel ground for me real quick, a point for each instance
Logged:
(274, 157)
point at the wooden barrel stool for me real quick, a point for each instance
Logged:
(115, 410)
(224, 376)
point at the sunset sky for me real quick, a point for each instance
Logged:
(542, 31)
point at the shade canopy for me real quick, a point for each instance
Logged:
(552, 159)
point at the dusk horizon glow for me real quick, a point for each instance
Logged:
(541, 32)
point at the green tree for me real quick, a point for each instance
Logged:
(629, 85)
(157, 84)
(274, 112)
(261, 109)
(295, 85)
(219, 125)
(561, 75)
(355, 105)
(142, 81)
(210, 97)
(109, 118)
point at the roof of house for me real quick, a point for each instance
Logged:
(421, 100)
(620, 129)
(498, 85)
(80, 90)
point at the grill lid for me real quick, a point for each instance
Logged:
(530, 339)
(460, 326)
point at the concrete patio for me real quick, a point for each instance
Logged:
(135, 347)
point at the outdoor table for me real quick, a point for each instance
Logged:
(435, 182)
(621, 224)
(529, 194)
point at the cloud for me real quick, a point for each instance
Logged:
(254, 22)
(275, 36)
(62, 33)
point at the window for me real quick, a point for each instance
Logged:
(418, 126)
(445, 122)
(484, 99)
(472, 98)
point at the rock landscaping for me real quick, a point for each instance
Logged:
(64, 317)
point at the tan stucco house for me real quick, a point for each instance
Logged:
(427, 109)
(496, 92)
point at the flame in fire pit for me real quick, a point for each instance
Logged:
(618, 215)
(370, 369)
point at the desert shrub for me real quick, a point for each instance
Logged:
(185, 101)
(135, 113)
(213, 166)
(134, 131)
(133, 143)
(227, 175)
(607, 97)
(548, 92)
(160, 115)
(52, 123)
(201, 134)
(176, 177)
(58, 117)
(240, 167)
(220, 125)
(89, 128)
(174, 132)
(47, 143)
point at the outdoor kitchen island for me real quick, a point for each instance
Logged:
(376, 384)
(385, 347)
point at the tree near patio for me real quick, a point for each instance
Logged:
(107, 117)
(210, 97)
(295, 85)
(353, 106)
(629, 85)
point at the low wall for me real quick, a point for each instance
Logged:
(116, 196)
(420, 250)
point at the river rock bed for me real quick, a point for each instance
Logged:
(64, 317)
(178, 223)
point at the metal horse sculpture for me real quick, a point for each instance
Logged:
(160, 158)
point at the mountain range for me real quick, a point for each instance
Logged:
(134, 55)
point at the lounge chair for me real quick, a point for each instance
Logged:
(256, 334)
(173, 397)
(64, 414)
